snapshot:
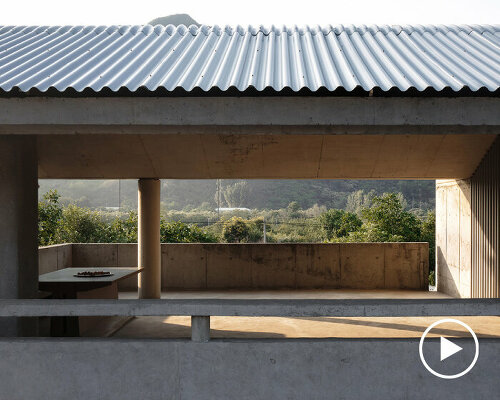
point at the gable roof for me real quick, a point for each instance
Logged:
(158, 60)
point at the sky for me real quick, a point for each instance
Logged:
(255, 12)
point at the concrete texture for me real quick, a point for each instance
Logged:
(18, 228)
(351, 111)
(453, 237)
(254, 137)
(261, 156)
(53, 258)
(200, 328)
(176, 327)
(148, 234)
(222, 369)
(271, 307)
(270, 266)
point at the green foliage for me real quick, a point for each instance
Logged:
(49, 216)
(179, 232)
(256, 230)
(293, 210)
(73, 224)
(429, 235)
(339, 223)
(81, 225)
(390, 220)
(432, 278)
(125, 229)
(298, 230)
(235, 230)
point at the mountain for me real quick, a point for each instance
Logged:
(175, 19)
(261, 194)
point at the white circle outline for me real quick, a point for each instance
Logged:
(443, 376)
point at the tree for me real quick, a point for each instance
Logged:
(359, 200)
(392, 222)
(49, 217)
(293, 210)
(235, 230)
(339, 223)
(81, 225)
(236, 194)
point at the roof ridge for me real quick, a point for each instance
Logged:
(255, 30)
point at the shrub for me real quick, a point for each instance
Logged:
(339, 223)
(236, 230)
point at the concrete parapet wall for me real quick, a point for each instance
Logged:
(52, 258)
(134, 369)
(271, 266)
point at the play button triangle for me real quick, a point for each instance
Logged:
(448, 348)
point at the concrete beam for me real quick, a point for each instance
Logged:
(254, 308)
(266, 111)
(261, 156)
(18, 228)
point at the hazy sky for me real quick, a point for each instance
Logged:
(244, 12)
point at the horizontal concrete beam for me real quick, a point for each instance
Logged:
(258, 307)
(264, 111)
(88, 129)
(131, 369)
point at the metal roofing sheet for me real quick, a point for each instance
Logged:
(152, 59)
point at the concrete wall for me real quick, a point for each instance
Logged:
(485, 189)
(18, 227)
(269, 266)
(256, 369)
(453, 237)
(467, 231)
(52, 258)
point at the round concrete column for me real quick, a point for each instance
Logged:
(149, 251)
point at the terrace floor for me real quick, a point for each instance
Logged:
(314, 327)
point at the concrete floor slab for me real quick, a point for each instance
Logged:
(317, 327)
(295, 294)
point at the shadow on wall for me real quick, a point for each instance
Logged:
(446, 282)
(485, 230)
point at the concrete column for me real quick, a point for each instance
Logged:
(200, 328)
(149, 250)
(18, 228)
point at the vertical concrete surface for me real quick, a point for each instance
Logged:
(453, 237)
(149, 249)
(18, 228)
(200, 328)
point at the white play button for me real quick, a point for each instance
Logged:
(448, 348)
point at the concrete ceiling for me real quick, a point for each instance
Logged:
(260, 156)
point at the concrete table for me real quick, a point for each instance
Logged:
(65, 285)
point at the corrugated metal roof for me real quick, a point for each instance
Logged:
(156, 59)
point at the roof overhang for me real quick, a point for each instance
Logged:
(255, 137)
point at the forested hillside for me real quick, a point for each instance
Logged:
(254, 194)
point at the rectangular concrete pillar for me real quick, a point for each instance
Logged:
(149, 249)
(18, 228)
(453, 237)
(200, 328)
